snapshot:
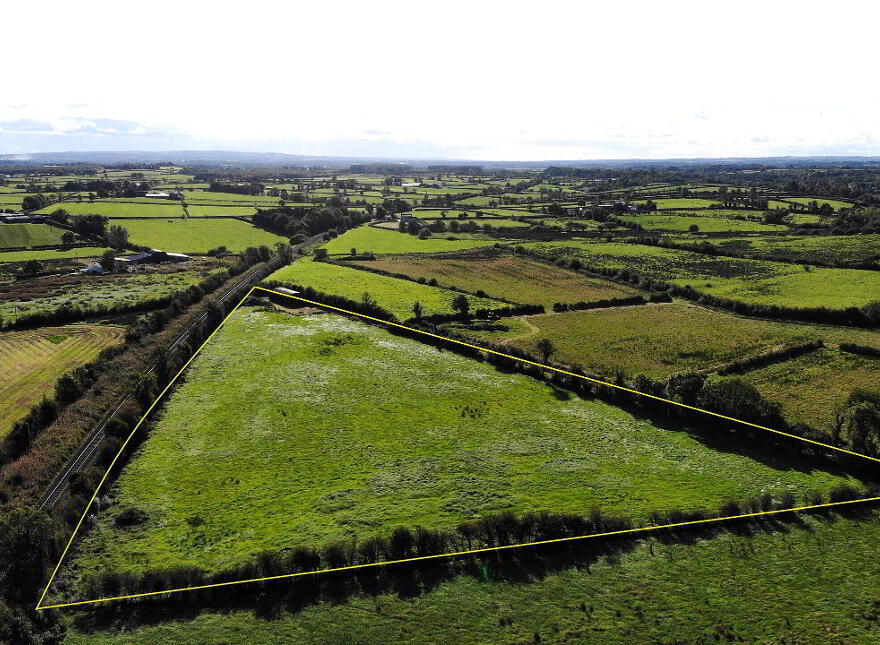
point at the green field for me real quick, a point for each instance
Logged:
(503, 275)
(29, 235)
(34, 359)
(393, 294)
(753, 281)
(118, 209)
(836, 204)
(197, 235)
(52, 254)
(809, 248)
(680, 202)
(370, 238)
(705, 224)
(806, 583)
(658, 340)
(811, 387)
(94, 291)
(299, 429)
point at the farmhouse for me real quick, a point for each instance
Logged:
(93, 267)
(153, 256)
(157, 195)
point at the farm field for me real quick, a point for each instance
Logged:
(197, 235)
(322, 379)
(117, 209)
(52, 254)
(371, 239)
(34, 359)
(824, 248)
(680, 202)
(196, 196)
(96, 291)
(393, 294)
(503, 275)
(705, 224)
(836, 204)
(812, 386)
(752, 281)
(29, 235)
(800, 578)
(681, 337)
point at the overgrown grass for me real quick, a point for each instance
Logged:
(662, 339)
(753, 281)
(302, 429)
(812, 582)
(824, 248)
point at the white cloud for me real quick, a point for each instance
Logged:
(486, 79)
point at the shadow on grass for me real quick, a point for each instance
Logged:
(272, 600)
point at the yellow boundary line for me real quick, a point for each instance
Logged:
(643, 529)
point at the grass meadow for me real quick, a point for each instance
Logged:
(52, 254)
(118, 209)
(504, 275)
(681, 336)
(34, 359)
(824, 248)
(393, 294)
(197, 236)
(797, 584)
(300, 429)
(377, 240)
(705, 224)
(753, 281)
(29, 235)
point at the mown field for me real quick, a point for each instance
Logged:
(799, 584)
(92, 291)
(377, 240)
(197, 236)
(681, 202)
(810, 388)
(34, 359)
(393, 294)
(29, 235)
(299, 429)
(658, 340)
(503, 275)
(836, 204)
(753, 281)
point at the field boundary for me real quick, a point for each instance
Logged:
(633, 531)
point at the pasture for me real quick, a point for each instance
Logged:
(809, 248)
(52, 254)
(681, 337)
(34, 359)
(12, 235)
(504, 275)
(393, 294)
(680, 202)
(111, 209)
(747, 280)
(800, 577)
(380, 431)
(371, 239)
(197, 235)
(704, 224)
(811, 387)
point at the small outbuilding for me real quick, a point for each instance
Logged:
(153, 256)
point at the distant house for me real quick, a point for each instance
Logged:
(157, 195)
(93, 267)
(153, 256)
(411, 184)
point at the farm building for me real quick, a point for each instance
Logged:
(93, 267)
(157, 195)
(21, 218)
(153, 256)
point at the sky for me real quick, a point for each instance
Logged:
(479, 80)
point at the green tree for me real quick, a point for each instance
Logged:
(461, 305)
(29, 545)
(117, 236)
(546, 347)
(32, 267)
(417, 310)
(68, 238)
